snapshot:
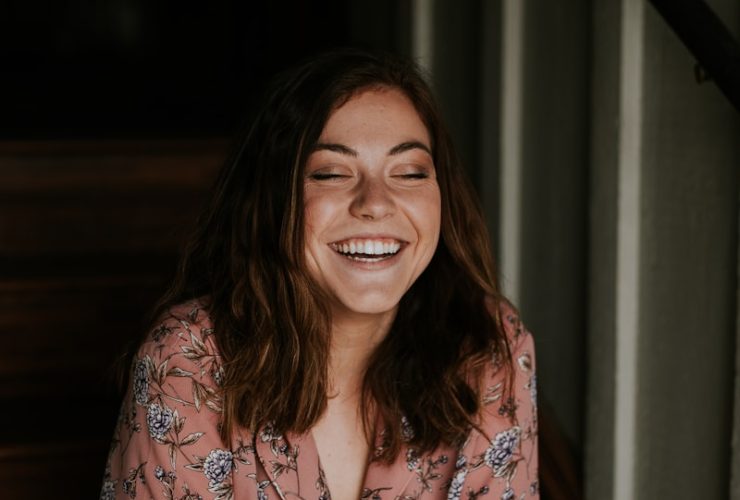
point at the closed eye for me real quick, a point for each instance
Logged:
(415, 175)
(324, 176)
(412, 170)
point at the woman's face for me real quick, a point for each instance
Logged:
(372, 203)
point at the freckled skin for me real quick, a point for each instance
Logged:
(374, 195)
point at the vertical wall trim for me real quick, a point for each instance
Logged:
(512, 75)
(489, 139)
(735, 459)
(422, 28)
(628, 248)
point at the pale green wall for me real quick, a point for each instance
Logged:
(691, 157)
(555, 144)
(687, 251)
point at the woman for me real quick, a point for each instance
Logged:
(335, 324)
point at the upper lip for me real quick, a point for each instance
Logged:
(368, 236)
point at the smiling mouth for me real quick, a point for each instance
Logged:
(367, 250)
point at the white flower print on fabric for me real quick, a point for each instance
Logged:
(456, 486)
(217, 374)
(525, 362)
(413, 460)
(498, 455)
(217, 467)
(407, 431)
(268, 433)
(108, 491)
(141, 382)
(508, 494)
(533, 389)
(534, 488)
(129, 487)
(158, 420)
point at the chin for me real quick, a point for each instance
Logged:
(367, 306)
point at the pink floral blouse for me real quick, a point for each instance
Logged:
(166, 444)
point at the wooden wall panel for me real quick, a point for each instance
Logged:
(89, 233)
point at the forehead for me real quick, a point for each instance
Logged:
(385, 109)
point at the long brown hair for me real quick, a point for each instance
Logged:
(271, 320)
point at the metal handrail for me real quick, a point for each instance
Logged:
(709, 41)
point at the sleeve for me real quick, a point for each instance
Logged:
(499, 459)
(166, 443)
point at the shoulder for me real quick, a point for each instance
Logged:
(176, 374)
(180, 349)
(181, 329)
(500, 454)
(191, 316)
(509, 386)
(519, 338)
(168, 428)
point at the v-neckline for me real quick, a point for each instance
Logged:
(293, 466)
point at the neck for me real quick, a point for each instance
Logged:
(353, 340)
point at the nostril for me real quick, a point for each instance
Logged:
(372, 201)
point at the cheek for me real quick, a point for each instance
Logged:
(310, 239)
(318, 213)
(435, 223)
(312, 215)
(429, 212)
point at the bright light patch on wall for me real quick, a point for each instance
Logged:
(422, 26)
(511, 147)
(628, 248)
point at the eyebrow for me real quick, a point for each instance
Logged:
(337, 148)
(407, 146)
(395, 150)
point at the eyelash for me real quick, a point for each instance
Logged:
(417, 175)
(318, 176)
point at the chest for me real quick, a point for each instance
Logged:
(292, 466)
(343, 452)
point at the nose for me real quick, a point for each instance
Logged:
(372, 200)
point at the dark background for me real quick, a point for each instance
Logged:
(138, 69)
(114, 118)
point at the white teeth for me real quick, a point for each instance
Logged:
(367, 247)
